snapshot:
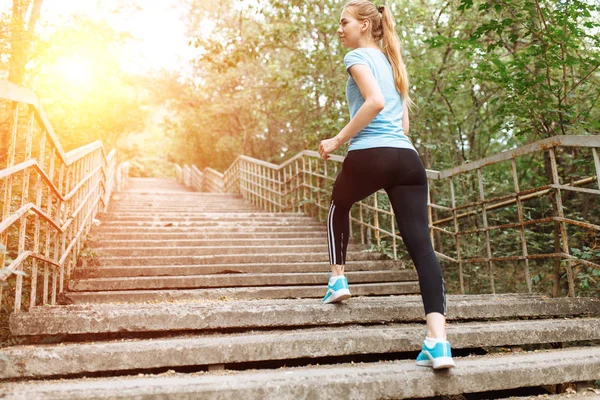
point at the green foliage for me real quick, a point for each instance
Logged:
(540, 57)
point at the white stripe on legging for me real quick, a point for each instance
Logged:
(330, 236)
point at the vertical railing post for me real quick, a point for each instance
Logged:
(560, 219)
(273, 190)
(430, 216)
(36, 234)
(271, 185)
(521, 225)
(262, 180)
(10, 161)
(318, 190)
(24, 201)
(283, 203)
(325, 182)
(295, 184)
(49, 211)
(311, 190)
(362, 223)
(457, 237)
(597, 165)
(487, 232)
(394, 241)
(244, 179)
(256, 185)
(64, 211)
(376, 219)
(306, 190)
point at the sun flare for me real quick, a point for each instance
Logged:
(75, 70)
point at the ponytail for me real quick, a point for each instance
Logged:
(391, 47)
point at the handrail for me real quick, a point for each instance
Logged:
(57, 209)
(555, 141)
(303, 184)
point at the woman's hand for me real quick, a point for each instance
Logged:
(328, 146)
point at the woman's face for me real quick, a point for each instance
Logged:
(349, 30)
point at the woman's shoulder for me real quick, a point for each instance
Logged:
(356, 56)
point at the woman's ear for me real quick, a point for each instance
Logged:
(364, 27)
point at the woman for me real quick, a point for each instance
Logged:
(381, 156)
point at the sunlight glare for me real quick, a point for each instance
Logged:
(75, 70)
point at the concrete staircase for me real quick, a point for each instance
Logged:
(185, 295)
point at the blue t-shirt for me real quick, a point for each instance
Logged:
(386, 128)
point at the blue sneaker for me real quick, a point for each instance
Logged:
(337, 290)
(438, 357)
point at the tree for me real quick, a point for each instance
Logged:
(25, 15)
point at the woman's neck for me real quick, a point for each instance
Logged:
(368, 43)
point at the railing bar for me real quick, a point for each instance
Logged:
(36, 236)
(487, 233)
(563, 229)
(522, 226)
(457, 238)
(575, 189)
(596, 165)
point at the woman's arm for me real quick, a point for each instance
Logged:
(374, 103)
(405, 123)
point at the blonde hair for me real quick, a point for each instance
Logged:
(383, 29)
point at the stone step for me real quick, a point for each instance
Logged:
(238, 293)
(175, 203)
(390, 380)
(202, 214)
(232, 280)
(583, 395)
(204, 235)
(204, 195)
(174, 200)
(214, 315)
(308, 241)
(234, 248)
(214, 223)
(182, 200)
(138, 208)
(153, 219)
(176, 228)
(149, 210)
(199, 350)
(232, 258)
(181, 270)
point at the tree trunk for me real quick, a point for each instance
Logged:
(21, 35)
(25, 15)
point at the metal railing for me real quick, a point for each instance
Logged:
(492, 215)
(50, 198)
(209, 180)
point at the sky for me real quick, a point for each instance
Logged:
(161, 41)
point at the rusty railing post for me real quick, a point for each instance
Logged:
(560, 219)
(521, 225)
(487, 232)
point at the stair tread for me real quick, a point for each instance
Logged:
(246, 314)
(237, 293)
(388, 379)
(130, 354)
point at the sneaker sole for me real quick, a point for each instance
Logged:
(340, 295)
(440, 363)
(443, 363)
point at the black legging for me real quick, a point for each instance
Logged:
(401, 173)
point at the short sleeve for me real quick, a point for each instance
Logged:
(354, 57)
